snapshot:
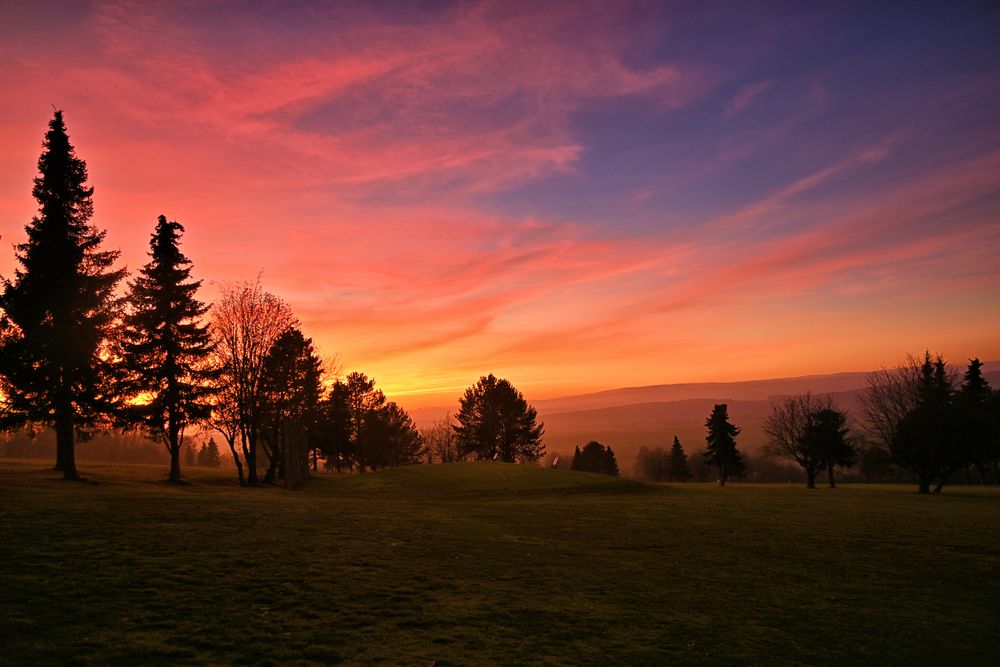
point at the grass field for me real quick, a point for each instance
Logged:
(490, 563)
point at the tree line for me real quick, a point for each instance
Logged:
(79, 357)
(920, 419)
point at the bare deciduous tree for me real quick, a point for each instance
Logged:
(441, 442)
(246, 322)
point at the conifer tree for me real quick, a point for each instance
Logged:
(595, 457)
(59, 308)
(721, 451)
(680, 471)
(494, 421)
(209, 455)
(291, 389)
(165, 346)
(980, 441)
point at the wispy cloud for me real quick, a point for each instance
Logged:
(744, 97)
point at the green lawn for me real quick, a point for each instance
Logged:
(490, 563)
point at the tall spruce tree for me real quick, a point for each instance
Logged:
(59, 308)
(721, 451)
(980, 443)
(165, 346)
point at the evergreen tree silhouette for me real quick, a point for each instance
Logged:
(721, 451)
(59, 307)
(980, 442)
(595, 457)
(291, 389)
(680, 471)
(495, 421)
(165, 345)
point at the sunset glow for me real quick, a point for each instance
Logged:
(572, 196)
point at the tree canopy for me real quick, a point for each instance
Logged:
(595, 457)
(495, 422)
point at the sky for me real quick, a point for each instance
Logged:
(575, 196)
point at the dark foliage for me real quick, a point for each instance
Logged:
(209, 455)
(720, 450)
(495, 422)
(165, 346)
(291, 391)
(680, 470)
(59, 307)
(595, 457)
(810, 432)
(362, 429)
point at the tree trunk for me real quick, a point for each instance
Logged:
(925, 484)
(65, 454)
(174, 445)
(250, 456)
(829, 474)
(175, 464)
(236, 460)
(810, 479)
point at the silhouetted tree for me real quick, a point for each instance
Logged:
(336, 424)
(209, 455)
(246, 322)
(494, 421)
(363, 403)
(291, 393)
(59, 307)
(595, 457)
(680, 471)
(393, 440)
(651, 464)
(826, 434)
(809, 431)
(165, 346)
(720, 451)
(929, 438)
(979, 422)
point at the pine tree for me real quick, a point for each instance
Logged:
(165, 345)
(680, 471)
(59, 308)
(980, 443)
(291, 389)
(721, 451)
(209, 455)
(928, 439)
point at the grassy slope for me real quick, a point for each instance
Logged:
(489, 563)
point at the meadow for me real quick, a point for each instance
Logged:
(489, 563)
